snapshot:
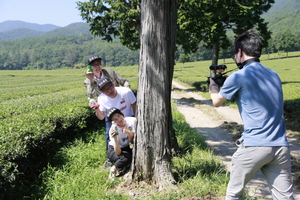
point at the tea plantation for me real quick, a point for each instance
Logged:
(41, 111)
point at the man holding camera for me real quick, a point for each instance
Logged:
(263, 146)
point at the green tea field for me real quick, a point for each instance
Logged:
(38, 111)
(41, 111)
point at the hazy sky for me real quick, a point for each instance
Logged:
(56, 12)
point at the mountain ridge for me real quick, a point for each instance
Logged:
(10, 25)
(77, 28)
(19, 33)
(283, 15)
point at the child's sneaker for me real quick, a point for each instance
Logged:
(112, 175)
(107, 163)
(124, 171)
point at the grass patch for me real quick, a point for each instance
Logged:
(77, 171)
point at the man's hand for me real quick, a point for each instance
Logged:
(90, 75)
(213, 87)
(94, 105)
(216, 97)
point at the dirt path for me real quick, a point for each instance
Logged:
(200, 114)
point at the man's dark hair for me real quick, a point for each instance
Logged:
(249, 42)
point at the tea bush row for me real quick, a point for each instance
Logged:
(26, 86)
(37, 115)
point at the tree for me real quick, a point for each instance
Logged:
(287, 40)
(284, 41)
(70, 57)
(184, 58)
(151, 27)
(155, 139)
(297, 41)
(202, 21)
(277, 42)
(209, 21)
(115, 18)
(205, 20)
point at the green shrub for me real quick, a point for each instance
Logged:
(38, 116)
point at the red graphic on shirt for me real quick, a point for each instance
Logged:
(122, 101)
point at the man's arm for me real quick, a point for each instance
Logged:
(134, 108)
(216, 97)
(92, 89)
(116, 78)
(96, 107)
(100, 114)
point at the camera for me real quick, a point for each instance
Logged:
(217, 74)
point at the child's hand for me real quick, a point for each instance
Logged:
(125, 129)
(114, 131)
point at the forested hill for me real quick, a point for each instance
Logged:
(19, 33)
(284, 15)
(61, 52)
(60, 47)
(78, 28)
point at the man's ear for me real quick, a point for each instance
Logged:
(240, 53)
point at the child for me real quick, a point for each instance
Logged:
(121, 135)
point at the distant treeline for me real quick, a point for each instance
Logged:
(71, 51)
(284, 41)
(62, 52)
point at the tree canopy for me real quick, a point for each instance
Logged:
(209, 21)
(205, 20)
(113, 18)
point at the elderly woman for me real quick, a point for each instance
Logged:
(121, 135)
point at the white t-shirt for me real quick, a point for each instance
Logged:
(122, 101)
(123, 137)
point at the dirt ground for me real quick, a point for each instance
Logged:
(221, 126)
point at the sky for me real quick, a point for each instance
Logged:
(56, 12)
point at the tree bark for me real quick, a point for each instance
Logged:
(154, 137)
(215, 56)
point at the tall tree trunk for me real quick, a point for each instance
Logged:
(215, 56)
(155, 138)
